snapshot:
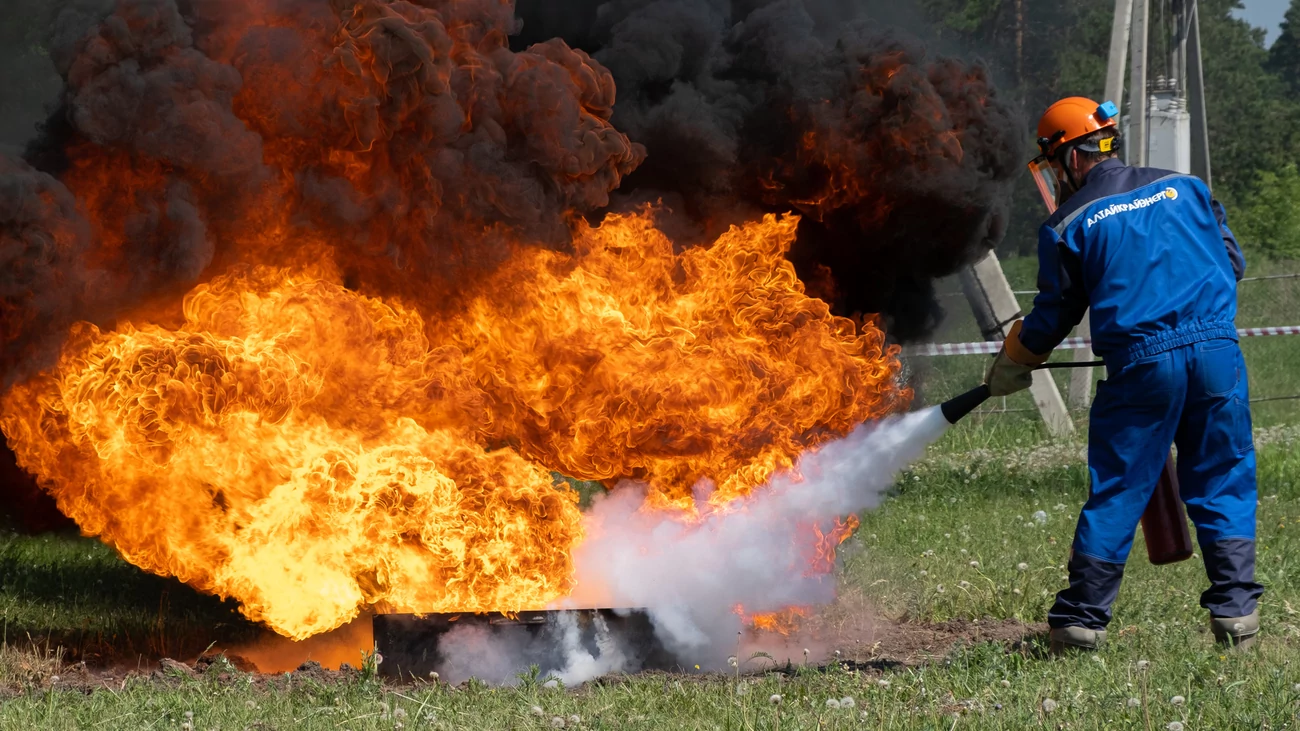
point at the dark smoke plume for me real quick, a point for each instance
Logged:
(899, 160)
(405, 137)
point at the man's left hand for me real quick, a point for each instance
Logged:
(1006, 376)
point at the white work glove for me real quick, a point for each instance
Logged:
(1006, 376)
(1013, 369)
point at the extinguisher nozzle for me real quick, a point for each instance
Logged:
(954, 409)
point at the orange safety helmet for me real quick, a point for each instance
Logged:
(1070, 119)
(1061, 128)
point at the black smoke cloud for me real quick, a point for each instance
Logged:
(900, 161)
(192, 135)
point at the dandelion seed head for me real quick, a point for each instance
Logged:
(537, 711)
(832, 703)
(399, 713)
(847, 702)
(1174, 726)
(433, 675)
(1049, 705)
(1177, 700)
(557, 722)
(1133, 703)
(883, 683)
(774, 699)
(1006, 683)
(575, 719)
(963, 584)
(939, 588)
(974, 564)
(1022, 566)
(1143, 664)
(924, 573)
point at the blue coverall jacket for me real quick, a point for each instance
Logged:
(1150, 252)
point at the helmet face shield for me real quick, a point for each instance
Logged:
(1045, 180)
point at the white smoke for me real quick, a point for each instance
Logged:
(690, 575)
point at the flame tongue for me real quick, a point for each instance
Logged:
(309, 450)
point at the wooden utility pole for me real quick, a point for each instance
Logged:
(995, 307)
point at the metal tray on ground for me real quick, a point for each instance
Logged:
(499, 648)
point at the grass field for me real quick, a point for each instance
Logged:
(959, 540)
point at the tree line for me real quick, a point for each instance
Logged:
(1044, 50)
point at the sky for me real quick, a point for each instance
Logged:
(1264, 14)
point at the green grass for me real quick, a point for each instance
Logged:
(964, 503)
(971, 500)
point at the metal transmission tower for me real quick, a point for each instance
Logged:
(1165, 126)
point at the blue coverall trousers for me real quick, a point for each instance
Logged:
(1195, 397)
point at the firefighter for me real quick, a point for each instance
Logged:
(1148, 252)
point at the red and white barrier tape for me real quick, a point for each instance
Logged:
(991, 347)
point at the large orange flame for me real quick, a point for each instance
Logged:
(311, 451)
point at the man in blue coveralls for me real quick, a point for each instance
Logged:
(1149, 251)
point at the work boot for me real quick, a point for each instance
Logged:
(1236, 632)
(1076, 638)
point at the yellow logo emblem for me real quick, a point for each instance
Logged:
(1171, 194)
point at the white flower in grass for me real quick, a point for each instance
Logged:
(1177, 700)
(1174, 726)
(847, 702)
(963, 584)
(964, 552)
(189, 716)
(924, 573)
(974, 564)
(575, 719)
(832, 703)
(433, 675)
(1006, 683)
(1022, 566)
(1016, 592)
(1133, 703)
(883, 683)
(557, 722)
(1040, 517)
(1049, 705)
(731, 661)
(939, 588)
(774, 699)
(1143, 664)
(742, 689)
(927, 552)
(399, 713)
(537, 711)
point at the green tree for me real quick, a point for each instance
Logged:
(1284, 56)
(1253, 121)
(1268, 221)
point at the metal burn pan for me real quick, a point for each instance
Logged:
(499, 648)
